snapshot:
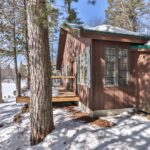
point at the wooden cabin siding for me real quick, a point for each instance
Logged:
(73, 48)
(109, 97)
(142, 77)
(62, 41)
(97, 96)
(114, 37)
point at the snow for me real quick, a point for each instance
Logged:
(105, 28)
(131, 132)
(112, 29)
(9, 88)
(148, 43)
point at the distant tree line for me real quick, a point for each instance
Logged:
(8, 72)
(128, 14)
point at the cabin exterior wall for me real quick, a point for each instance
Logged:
(142, 78)
(114, 97)
(97, 96)
(73, 48)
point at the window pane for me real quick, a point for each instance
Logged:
(110, 66)
(83, 67)
(122, 66)
(78, 69)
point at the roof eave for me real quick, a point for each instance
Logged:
(115, 33)
(101, 35)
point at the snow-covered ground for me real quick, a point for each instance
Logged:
(9, 88)
(131, 132)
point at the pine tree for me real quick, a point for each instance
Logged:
(1, 100)
(72, 14)
(15, 47)
(23, 70)
(26, 43)
(125, 13)
(41, 93)
(1, 42)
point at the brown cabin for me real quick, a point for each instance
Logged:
(111, 66)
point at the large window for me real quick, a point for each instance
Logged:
(83, 67)
(116, 67)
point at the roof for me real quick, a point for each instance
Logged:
(143, 47)
(108, 29)
(148, 43)
(101, 32)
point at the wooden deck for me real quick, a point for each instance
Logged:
(62, 97)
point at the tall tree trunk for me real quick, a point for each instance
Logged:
(18, 93)
(1, 28)
(26, 46)
(41, 93)
(1, 100)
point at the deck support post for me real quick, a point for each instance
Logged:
(19, 81)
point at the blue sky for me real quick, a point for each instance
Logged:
(87, 12)
(90, 13)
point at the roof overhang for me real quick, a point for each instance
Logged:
(110, 36)
(97, 35)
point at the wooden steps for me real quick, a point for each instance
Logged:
(63, 77)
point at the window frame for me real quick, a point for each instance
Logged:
(116, 84)
(78, 69)
(127, 70)
(84, 61)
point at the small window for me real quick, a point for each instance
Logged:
(116, 67)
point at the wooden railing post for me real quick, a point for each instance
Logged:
(19, 81)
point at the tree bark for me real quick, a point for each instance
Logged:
(15, 51)
(1, 7)
(27, 47)
(1, 100)
(41, 93)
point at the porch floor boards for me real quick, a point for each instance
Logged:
(62, 97)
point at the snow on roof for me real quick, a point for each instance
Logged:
(112, 29)
(107, 28)
(148, 43)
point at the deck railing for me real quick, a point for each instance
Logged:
(55, 80)
(63, 94)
